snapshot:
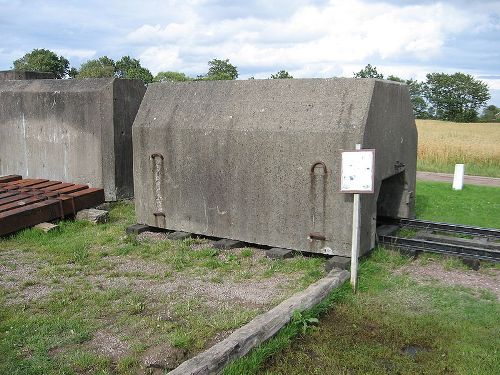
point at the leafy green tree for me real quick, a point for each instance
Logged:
(368, 72)
(221, 70)
(73, 72)
(171, 77)
(455, 97)
(104, 66)
(491, 114)
(43, 60)
(128, 67)
(99, 68)
(417, 92)
(282, 74)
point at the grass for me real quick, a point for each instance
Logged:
(394, 325)
(442, 144)
(474, 205)
(95, 279)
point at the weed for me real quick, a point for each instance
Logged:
(304, 323)
(246, 253)
(181, 339)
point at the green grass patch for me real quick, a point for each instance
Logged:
(474, 205)
(97, 279)
(392, 325)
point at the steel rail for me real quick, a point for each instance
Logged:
(443, 227)
(415, 244)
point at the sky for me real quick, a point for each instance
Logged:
(309, 39)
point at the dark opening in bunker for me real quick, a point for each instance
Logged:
(394, 197)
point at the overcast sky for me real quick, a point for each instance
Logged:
(407, 38)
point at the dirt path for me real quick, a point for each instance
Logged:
(471, 180)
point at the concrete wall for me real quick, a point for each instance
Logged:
(23, 75)
(72, 130)
(240, 159)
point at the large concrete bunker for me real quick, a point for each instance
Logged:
(259, 160)
(72, 130)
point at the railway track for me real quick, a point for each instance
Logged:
(445, 238)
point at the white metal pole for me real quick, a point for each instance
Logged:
(356, 220)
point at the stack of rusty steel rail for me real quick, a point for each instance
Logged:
(28, 202)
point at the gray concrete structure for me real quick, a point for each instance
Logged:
(73, 130)
(24, 75)
(259, 160)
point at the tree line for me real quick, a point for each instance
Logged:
(452, 97)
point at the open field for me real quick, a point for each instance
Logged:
(88, 299)
(442, 144)
(429, 316)
(474, 205)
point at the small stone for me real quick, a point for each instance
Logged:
(409, 253)
(279, 253)
(46, 227)
(93, 215)
(343, 263)
(137, 229)
(178, 236)
(106, 206)
(472, 263)
(164, 356)
(226, 244)
(413, 350)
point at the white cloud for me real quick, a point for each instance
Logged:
(312, 40)
(493, 84)
(161, 59)
(78, 53)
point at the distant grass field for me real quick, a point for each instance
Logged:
(474, 205)
(443, 144)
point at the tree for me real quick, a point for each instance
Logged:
(416, 90)
(455, 97)
(100, 68)
(171, 77)
(43, 60)
(128, 67)
(491, 114)
(73, 72)
(282, 74)
(368, 72)
(221, 70)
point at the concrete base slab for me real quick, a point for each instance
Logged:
(260, 329)
(474, 264)
(137, 229)
(386, 230)
(178, 236)
(226, 244)
(279, 253)
(93, 215)
(46, 227)
(343, 263)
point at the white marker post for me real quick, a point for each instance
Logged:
(458, 177)
(357, 177)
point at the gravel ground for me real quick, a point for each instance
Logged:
(435, 272)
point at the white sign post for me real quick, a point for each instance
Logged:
(458, 177)
(357, 177)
